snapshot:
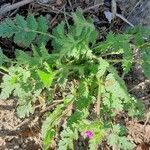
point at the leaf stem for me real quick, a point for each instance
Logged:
(99, 97)
(4, 69)
(121, 60)
(43, 33)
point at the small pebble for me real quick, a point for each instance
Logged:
(16, 147)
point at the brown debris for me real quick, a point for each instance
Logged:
(142, 146)
(138, 132)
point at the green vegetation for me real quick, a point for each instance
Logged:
(83, 70)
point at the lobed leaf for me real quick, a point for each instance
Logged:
(25, 31)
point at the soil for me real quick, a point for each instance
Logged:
(16, 134)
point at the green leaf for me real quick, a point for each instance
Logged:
(48, 125)
(114, 87)
(25, 31)
(3, 58)
(67, 138)
(16, 82)
(121, 82)
(32, 25)
(48, 138)
(7, 86)
(113, 139)
(125, 144)
(22, 57)
(117, 139)
(146, 63)
(42, 24)
(58, 32)
(44, 52)
(24, 110)
(120, 142)
(77, 117)
(97, 128)
(31, 22)
(22, 37)
(139, 34)
(7, 28)
(127, 57)
(22, 24)
(74, 43)
(42, 27)
(102, 67)
(46, 77)
(80, 22)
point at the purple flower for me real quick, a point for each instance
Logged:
(88, 134)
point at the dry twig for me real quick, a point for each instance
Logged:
(8, 8)
(138, 3)
(124, 19)
(92, 7)
(113, 8)
(117, 15)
